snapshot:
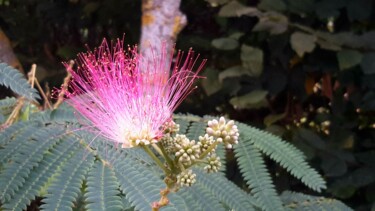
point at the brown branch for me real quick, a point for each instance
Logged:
(164, 201)
(44, 95)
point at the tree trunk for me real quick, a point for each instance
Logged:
(162, 20)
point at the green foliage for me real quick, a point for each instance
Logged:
(68, 168)
(314, 69)
(6, 106)
(256, 175)
(14, 80)
(102, 180)
(286, 155)
(299, 201)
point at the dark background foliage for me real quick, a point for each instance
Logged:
(304, 70)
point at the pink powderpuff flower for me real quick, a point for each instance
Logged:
(126, 97)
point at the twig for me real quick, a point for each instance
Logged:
(44, 95)
(31, 75)
(13, 116)
(164, 201)
(48, 93)
(64, 87)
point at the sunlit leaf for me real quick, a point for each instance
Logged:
(211, 84)
(252, 59)
(273, 22)
(235, 71)
(272, 118)
(368, 63)
(215, 3)
(348, 59)
(225, 43)
(272, 5)
(236, 9)
(254, 99)
(302, 43)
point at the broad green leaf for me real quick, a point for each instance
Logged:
(235, 71)
(333, 166)
(215, 3)
(272, 5)
(91, 7)
(225, 43)
(368, 63)
(236, 9)
(359, 9)
(273, 22)
(211, 84)
(328, 8)
(302, 43)
(237, 35)
(254, 99)
(252, 59)
(67, 52)
(348, 59)
(311, 138)
(301, 6)
(272, 118)
(328, 45)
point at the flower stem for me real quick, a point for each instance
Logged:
(156, 159)
(166, 156)
(209, 149)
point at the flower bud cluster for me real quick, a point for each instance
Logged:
(213, 165)
(205, 142)
(170, 127)
(223, 131)
(186, 151)
(186, 178)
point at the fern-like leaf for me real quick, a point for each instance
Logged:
(13, 132)
(256, 175)
(204, 198)
(140, 190)
(184, 125)
(196, 129)
(226, 191)
(63, 115)
(65, 188)
(7, 105)
(139, 183)
(286, 154)
(13, 79)
(102, 189)
(39, 176)
(300, 201)
(30, 154)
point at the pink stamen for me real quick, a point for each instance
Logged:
(127, 97)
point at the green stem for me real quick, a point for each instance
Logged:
(157, 149)
(209, 149)
(166, 156)
(156, 159)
